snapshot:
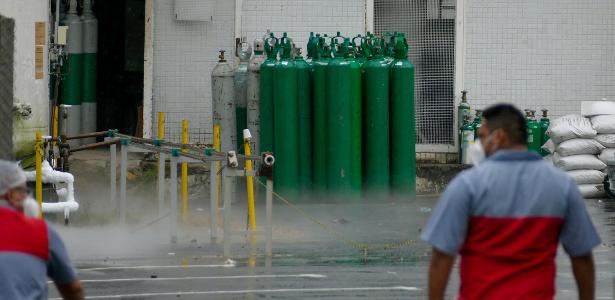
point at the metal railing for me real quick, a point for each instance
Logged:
(229, 170)
(224, 163)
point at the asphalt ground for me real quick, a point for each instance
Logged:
(347, 250)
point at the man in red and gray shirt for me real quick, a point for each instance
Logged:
(505, 217)
(30, 250)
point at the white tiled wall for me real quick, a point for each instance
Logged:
(298, 18)
(539, 54)
(27, 89)
(185, 52)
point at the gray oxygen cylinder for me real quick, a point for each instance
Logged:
(223, 106)
(244, 51)
(253, 94)
(223, 103)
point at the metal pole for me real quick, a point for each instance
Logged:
(161, 125)
(173, 219)
(227, 212)
(184, 210)
(213, 207)
(249, 182)
(218, 175)
(123, 173)
(113, 175)
(38, 148)
(161, 184)
(161, 165)
(269, 216)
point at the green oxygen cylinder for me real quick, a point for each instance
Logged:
(304, 104)
(72, 84)
(266, 94)
(466, 139)
(358, 49)
(477, 123)
(320, 128)
(376, 122)
(285, 124)
(403, 126)
(534, 137)
(544, 126)
(312, 44)
(339, 112)
(356, 124)
(244, 51)
(90, 47)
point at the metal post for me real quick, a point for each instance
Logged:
(161, 165)
(113, 175)
(218, 175)
(161, 184)
(184, 210)
(123, 173)
(269, 217)
(213, 207)
(38, 148)
(226, 184)
(249, 182)
(173, 188)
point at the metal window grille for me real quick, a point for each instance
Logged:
(7, 36)
(429, 26)
(199, 130)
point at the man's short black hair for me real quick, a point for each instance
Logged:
(508, 118)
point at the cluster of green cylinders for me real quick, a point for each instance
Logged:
(79, 71)
(340, 122)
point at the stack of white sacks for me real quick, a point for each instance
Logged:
(576, 148)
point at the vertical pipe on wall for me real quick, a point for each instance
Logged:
(369, 15)
(148, 69)
(458, 81)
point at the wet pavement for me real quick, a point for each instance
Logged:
(324, 251)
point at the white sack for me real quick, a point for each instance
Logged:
(587, 176)
(570, 127)
(604, 124)
(579, 146)
(595, 108)
(607, 140)
(578, 162)
(591, 190)
(549, 146)
(606, 155)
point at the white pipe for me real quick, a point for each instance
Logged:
(66, 195)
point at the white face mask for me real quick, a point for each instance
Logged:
(30, 207)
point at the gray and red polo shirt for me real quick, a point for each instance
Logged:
(506, 217)
(30, 251)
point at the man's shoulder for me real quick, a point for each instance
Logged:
(53, 235)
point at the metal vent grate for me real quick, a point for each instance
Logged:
(430, 28)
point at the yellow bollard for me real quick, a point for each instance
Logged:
(251, 210)
(56, 111)
(218, 175)
(250, 185)
(161, 125)
(184, 209)
(38, 149)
